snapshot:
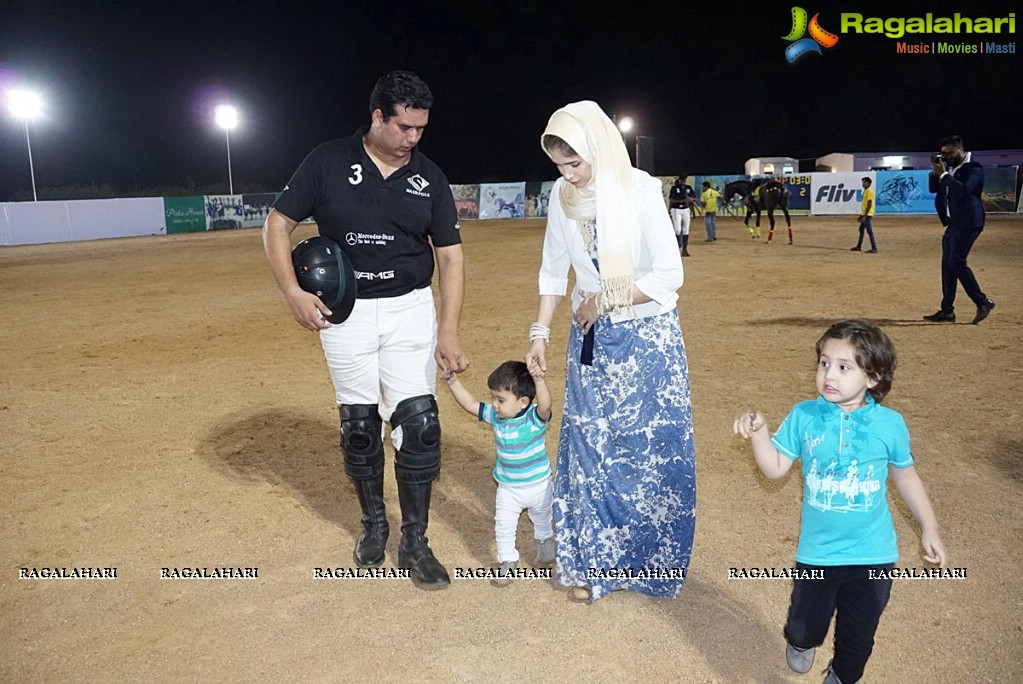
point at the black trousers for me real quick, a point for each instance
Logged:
(955, 247)
(859, 601)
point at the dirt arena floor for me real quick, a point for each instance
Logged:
(160, 409)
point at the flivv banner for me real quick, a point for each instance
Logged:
(838, 193)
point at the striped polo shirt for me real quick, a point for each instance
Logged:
(521, 450)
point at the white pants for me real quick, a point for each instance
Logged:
(680, 220)
(537, 498)
(383, 352)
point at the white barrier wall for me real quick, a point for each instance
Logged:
(29, 223)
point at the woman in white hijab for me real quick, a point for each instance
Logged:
(625, 487)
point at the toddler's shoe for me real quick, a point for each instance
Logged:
(799, 660)
(832, 678)
(544, 551)
(505, 574)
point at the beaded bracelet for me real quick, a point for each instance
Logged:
(539, 331)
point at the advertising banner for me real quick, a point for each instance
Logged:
(538, 195)
(184, 214)
(838, 193)
(256, 207)
(545, 195)
(224, 212)
(502, 200)
(903, 192)
(467, 200)
(999, 194)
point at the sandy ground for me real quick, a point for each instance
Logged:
(159, 408)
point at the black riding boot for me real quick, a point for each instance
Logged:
(685, 245)
(369, 550)
(414, 552)
(363, 450)
(416, 466)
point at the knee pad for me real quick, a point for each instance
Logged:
(417, 461)
(361, 441)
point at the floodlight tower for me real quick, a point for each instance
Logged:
(227, 118)
(26, 105)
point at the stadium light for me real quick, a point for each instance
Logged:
(26, 105)
(625, 125)
(226, 117)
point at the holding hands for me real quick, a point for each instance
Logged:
(449, 355)
(536, 355)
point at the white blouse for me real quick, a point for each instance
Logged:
(655, 252)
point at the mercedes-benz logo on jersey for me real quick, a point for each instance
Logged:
(418, 182)
(351, 238)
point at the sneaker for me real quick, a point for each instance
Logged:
(982, 311)
(544, 551)
(943, 317)
(872, 251)
(799, 660)
(854, 249)
(506, 573)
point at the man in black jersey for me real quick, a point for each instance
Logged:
(391, 210)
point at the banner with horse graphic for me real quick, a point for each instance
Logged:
(502, 200)
(903, 192)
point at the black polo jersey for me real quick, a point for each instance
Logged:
(678, 193)
(385, 227)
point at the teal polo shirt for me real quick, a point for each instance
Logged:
(845, 458)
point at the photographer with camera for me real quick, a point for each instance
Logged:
(957, 182)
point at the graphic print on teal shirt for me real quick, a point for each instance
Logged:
(845, 457)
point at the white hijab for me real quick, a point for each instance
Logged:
(608, 197)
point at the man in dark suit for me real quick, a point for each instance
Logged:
(957, 182)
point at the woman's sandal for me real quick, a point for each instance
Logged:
(579, 594)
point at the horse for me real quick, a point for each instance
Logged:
(767, 194)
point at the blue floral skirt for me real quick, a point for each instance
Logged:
(625, 486)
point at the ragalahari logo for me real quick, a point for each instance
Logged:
(803, 46)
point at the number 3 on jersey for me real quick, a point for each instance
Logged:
(356, 176)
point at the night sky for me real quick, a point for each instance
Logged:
(129, 86)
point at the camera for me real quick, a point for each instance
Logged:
(937, 157)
